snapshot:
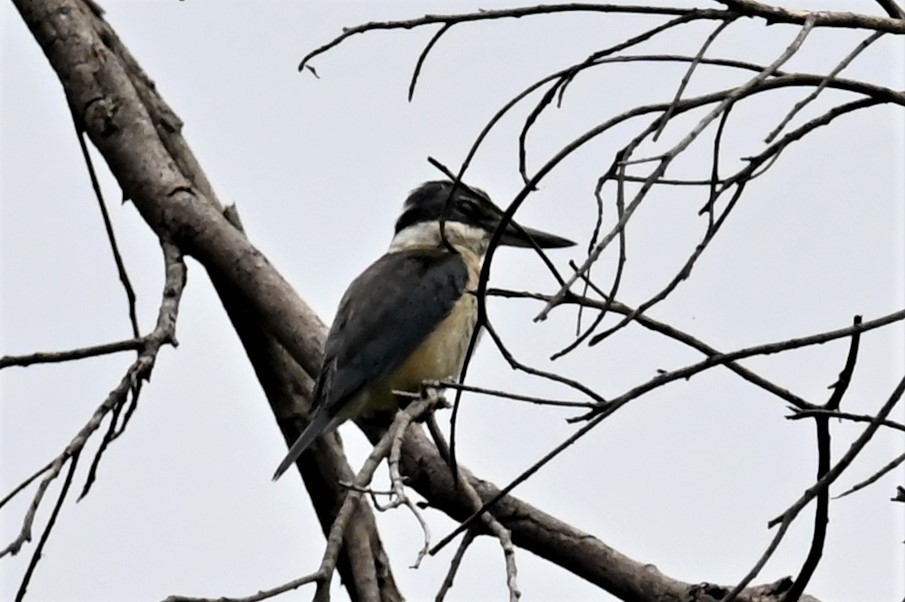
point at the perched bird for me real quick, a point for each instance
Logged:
(410, 315)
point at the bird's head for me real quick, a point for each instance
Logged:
(469, 220)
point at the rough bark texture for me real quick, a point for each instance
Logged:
(363, 563)
(138, 136)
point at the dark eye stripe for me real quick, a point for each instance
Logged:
(428, 202)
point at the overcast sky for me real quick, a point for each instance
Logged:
(685, 478)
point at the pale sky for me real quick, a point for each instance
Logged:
(685, 478)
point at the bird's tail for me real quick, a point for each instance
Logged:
(318, 425)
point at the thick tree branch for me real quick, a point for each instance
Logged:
(362, 563)
(101, 91)
(139, 137)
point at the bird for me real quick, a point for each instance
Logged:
(409, 317)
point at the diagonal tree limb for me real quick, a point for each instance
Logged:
(139, 137)
(362, 563)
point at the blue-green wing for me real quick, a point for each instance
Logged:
(383, 317)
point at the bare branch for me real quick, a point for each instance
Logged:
(108, 227)
(663, 161)
(423, 57)
(835, 71)
(505, 539)
(786, 518)
(454, 565)
(687, 77)
(45, 535)
(747, 8)
(778, 14)
(876, 476)
(381, 450)
(54, 357)
(488, 15)
(503, 535)
(798, 414)
(163, 334)
(611, 406)
(892, 9)
(257, 597)
(363, 561)
(180, 206)
(766, 349)
(668, 331)
(398, 486)
(821, 512)
(507, 395)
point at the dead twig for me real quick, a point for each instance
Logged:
(140, 369)
(56, 357)
(875, 477)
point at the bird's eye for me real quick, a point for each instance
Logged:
(470, 209)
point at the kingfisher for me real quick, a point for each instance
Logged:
(409, 317)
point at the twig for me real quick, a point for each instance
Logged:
(497, 530)
(785, 519)
(323, 575)
(599, 206)
(54, 357)
(45, 535)
(507, 395)
(257, 597)
(821, 511)
(488, 504)
(545, 101)
(675, 334)
(716, 187)
(687, 339)
(517, 365)
(610, 407)
(727, 100)
(741, 179)
(423, 56)
(108, 227)
(874, 477)
(164, 333)
(383, 448)
(487, 15)
(766, 349)
(802, 79)
(743, 7)
(25, 483)
(779, 14)
(454, 564)
(687, 77)
(798, 414)
(713, 227)
(398, 485)
(892, 9)
(484, 322)
(619, 167)
(816, 91)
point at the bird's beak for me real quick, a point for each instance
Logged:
(520, 236)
